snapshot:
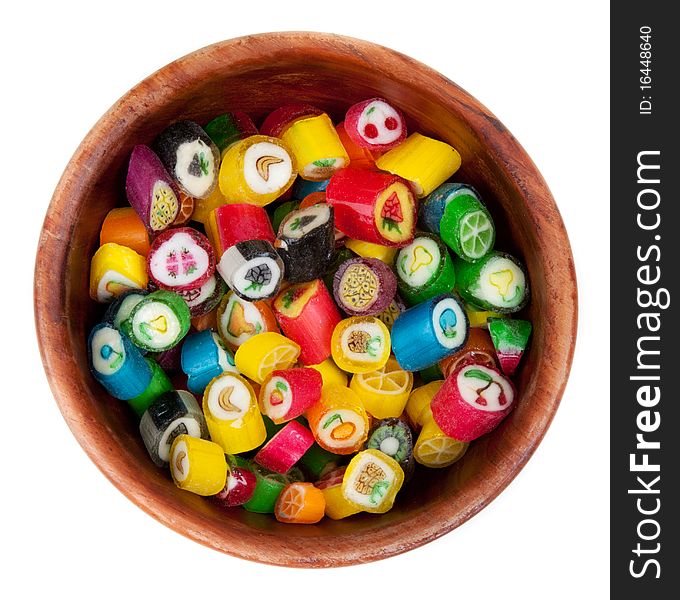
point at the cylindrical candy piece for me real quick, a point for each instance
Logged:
(425, 162)
(114, 269)
(205, 357)
(359, 157)
(394, 438)
(124, 227)
(510, 338)
(418, 405)
(338, 420)
(231, 412)
(180, 259)
(435, 449)
(233, 223)
(190, 156)
(265, 352)
(286, 448)
(467, 228)
(424, 269)
(337, 506)
(317, 461)
(372, 481)
(305, 242)
(238, 320)
(478, 350)
(158, 322)
(307, 315)
(426, 333)
(473, 401)
(257, 170)
(280, 119)
(330, 372)
(252, 269)
(373, 206)
(364, 286)
(203, 299)
(268, 488)
(368, 250)
(204, 206)
(121, 308)
(375, 124)
(300, 502)
(385, 391)
(116, 363)
(285, 395)
(171, 414)
(160, 384)
(316, 146)
(432, 208)
(229, 128)
(303, 188)
(239, 489)
(281, 210)
(198, 465)
(360, 344)
(479, 317)
(150, 190)
(496, 282)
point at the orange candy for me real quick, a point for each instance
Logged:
(124, 227)
(300, 502)
(358, 156)
(312, 199)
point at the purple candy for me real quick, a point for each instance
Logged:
(364, 286)
(150, 190)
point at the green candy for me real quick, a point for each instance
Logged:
(433, 373)
(281, 211)
(158, 385)
(317, 461)
(229, 128)
(339, 257)
(467, 228)
(497, 282)
(424, 269)
(510, 338)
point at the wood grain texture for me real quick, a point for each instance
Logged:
(257, 74)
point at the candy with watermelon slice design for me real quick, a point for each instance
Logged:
(510, 338)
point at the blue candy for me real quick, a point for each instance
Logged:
(302, 188)
(205, 357)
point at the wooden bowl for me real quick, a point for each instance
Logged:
(257, 74)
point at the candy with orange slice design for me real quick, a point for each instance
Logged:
(115, 269)
(384, 392)
(232, 415)
(338, 420)
(265, 352)
(300, 502)
(307, 314)
(198, 465)
(287, 394)
(373, 206)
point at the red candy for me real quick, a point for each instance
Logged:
(233, 223)
(277, 122)
(287, 394)
(286, 447)
(239, 488)
(375, 124)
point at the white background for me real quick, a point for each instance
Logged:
(541, 67)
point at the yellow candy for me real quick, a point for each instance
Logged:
(265, 352)
(338, 420)
(203, 207)
(384, 392)
(369, 250)
(435, 449)
(115, 269)
(337, 506)
(256, 170)
(231, 412)
(478, 318)
(197, 465)
(330, 373)
(316, 146)
(425, 162)
(372, 481)
(360, 344)
(417, 407)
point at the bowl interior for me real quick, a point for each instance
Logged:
(257, 74)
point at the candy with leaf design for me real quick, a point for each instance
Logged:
(372, 481)
(510, 338)
(115, 269)
(375, 124)
(473, 401)
(440, 327)
(172, 414)
(497, 282)
(287, 394)
(198, 465)
(257, 170)
(338, 420)
(232, 415)
(423, 161)
(372, 206)
(252, 269)
(204, 357)
(190, 156)
(180, 259)
(308, 316)
(360, 344)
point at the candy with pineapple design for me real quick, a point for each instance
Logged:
(372, 480)
(472, 402)
(360, 344)
(510, 338)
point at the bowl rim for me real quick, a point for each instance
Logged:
(53, 247)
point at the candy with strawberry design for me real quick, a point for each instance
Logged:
(375, 124)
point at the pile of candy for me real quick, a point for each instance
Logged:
(305, 328)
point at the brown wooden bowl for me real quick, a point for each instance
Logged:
(257, 74)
